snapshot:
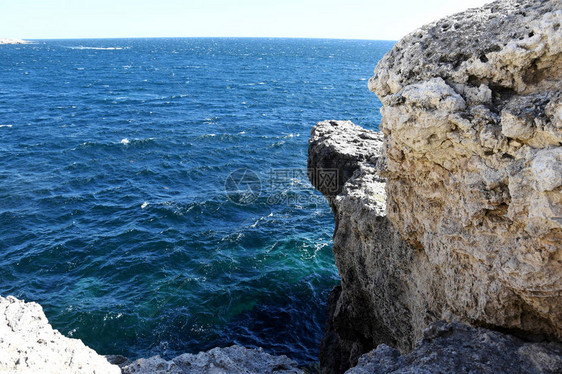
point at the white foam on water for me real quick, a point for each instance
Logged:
(125, 141)
(5, 125)
(292, 135)
(99, 48)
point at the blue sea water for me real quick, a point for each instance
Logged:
(114, 216)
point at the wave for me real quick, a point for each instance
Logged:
(99, 48)
(110, 145)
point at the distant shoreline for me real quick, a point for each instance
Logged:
(13, 41)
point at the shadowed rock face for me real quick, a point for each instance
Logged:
(471, 225)
(458, 348)
(388, 289)
(227, 360)
(362, 233)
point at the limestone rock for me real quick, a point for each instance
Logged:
(29, 344)
(471, 226)
(388, 287)
(458, 348)
(473, 133)
(228, 360)
(340, 146)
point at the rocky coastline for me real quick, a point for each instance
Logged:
(469, 157)
(448, 222)
(29, 344)
(13, 41)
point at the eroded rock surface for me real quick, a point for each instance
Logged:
(388, 288)
(472, 119)
(228, 360)
(29, 344)
(472, 158)
(358, 203)
(458, 348)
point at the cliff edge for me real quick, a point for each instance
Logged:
(29, 344)
(471, 163)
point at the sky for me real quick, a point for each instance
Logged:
(340, 19)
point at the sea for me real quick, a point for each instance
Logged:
(153, 192)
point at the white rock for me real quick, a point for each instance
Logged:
(29, 344)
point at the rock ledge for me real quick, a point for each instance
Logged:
(28, 343)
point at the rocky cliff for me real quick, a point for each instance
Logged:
(227, 360)
(471, 163)
(458, 348)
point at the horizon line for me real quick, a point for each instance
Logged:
(201, 37)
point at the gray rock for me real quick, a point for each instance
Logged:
(29, 344)
(118, 360)
(230, 360)
(471, 225)
(385, 281)
(340, 146)
(472, 120)
(458, 348)
(513, 44)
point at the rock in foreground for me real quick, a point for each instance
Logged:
(470, 229)
(228, 360)
(458, 348)
(29, 344)
(472, 119)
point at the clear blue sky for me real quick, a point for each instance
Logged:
(355, 19)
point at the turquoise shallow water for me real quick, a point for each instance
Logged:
(113, 210)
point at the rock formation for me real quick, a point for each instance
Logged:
(29, 344)
(472, 119)
(386, 282)
(228, 360)
(471, 225)
(457, 348)
(452, 212)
